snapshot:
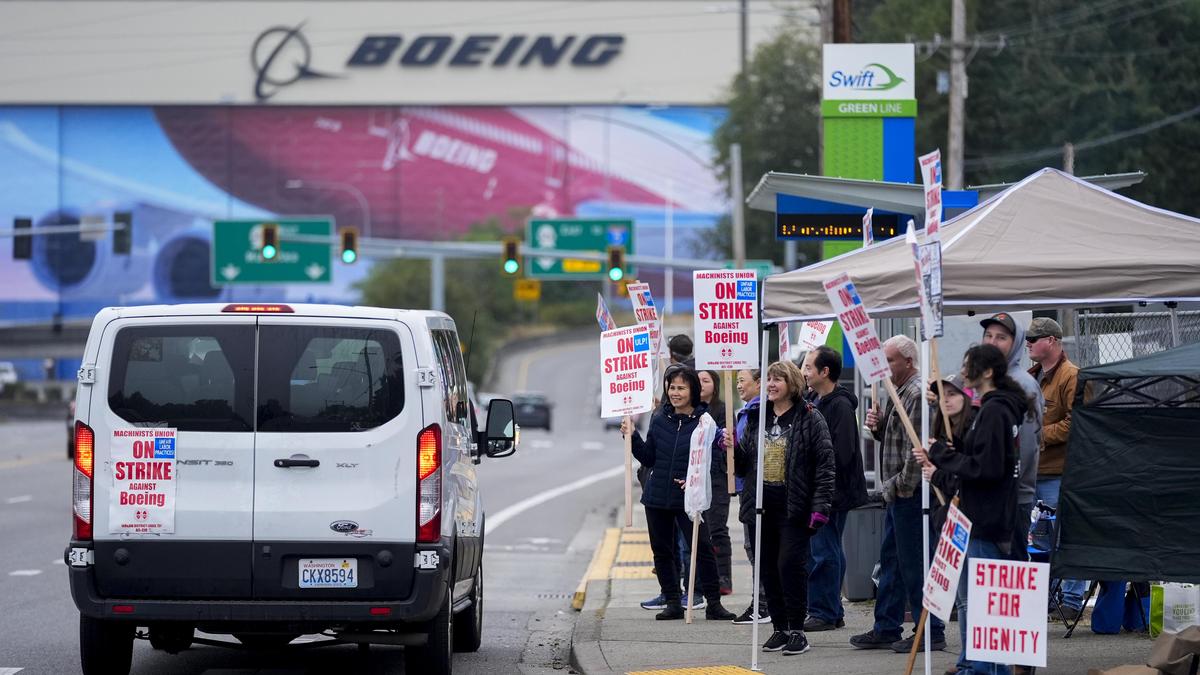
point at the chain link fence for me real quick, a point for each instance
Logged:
(1104, 338)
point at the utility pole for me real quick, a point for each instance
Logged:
(743, 29)
(841, 21)
(1069, 158)
(958, 93)
(739, 218)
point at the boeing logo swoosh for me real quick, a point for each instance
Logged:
(275, 51)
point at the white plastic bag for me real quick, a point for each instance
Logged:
(1173, 607)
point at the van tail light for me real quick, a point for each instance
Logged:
(81, 485)
(429, 485)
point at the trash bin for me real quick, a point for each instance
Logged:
(864, 532)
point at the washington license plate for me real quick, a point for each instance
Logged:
(328, 573)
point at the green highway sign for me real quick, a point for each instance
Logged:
(594, 235)
(764, 268)
(236, 258)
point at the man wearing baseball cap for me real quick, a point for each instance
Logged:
(1057, 377)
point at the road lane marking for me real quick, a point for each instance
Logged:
(31, 460)
(24, 573)
(542, 497)
(58, 561)
(10, 671)
(540, 444)
(19, 500)
(593, 445)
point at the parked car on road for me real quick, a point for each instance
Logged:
(532, 410)
(268, 471)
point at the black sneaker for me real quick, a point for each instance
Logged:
(716, 612)
(748, 617)
(905, 646)
(815, 625)
(796, 644)
(871, 640)
(777, 641)
(671, 612)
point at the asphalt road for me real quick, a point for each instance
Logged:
(546, 510)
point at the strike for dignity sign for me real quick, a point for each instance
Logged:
(143, 496)
(1006, 611)
(625, 371)
(726, 319)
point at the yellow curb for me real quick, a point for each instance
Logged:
(701, 670)
(635, 560)
(602, 561)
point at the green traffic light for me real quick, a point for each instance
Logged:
(511, 266)
(616, 273)
(349, 256)
(269, 252)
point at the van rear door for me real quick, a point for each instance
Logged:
(335, 459)
(194, 375)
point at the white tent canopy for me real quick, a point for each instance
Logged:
(1049, 241)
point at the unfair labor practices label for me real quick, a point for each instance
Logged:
(142, 499)
(726, 319)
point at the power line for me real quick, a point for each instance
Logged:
(997, 161)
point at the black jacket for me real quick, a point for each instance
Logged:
(665, 452)
(717, 468)
(988, 465)
(810, 468)
(838, 410)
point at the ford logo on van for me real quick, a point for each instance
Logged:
(343, 526)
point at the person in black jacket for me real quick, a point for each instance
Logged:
(665, 452)
(988, 464)
(798, 484)
(717, 515)
(822, 368)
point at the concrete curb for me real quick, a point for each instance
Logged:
(586, 655)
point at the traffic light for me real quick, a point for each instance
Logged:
(22, 243)
(270, 241)
(349, 237)
(616, 262)
(123, 236)
(512, 255)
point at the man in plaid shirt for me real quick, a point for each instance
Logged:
(901, 566)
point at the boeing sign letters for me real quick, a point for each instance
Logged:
(277, 48)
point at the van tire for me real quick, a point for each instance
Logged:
(105, 646)
(436, 657)
(468, 624)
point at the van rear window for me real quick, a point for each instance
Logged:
(328, 379)
(193, 378)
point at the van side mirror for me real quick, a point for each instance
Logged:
(500, 437)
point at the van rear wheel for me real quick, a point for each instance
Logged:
(105, 647)
(436, 656)
(468, 624)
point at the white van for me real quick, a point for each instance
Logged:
(267, 471)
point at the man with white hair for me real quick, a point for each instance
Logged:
(901, 564)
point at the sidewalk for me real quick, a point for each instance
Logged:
(614, 635)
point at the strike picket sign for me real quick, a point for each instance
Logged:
(626, 371)
(931, 179)
(646, 313)
(1006, 611)
(143, 482)
(813, 334)
(726, 319)
(941, 583)
(856, 324)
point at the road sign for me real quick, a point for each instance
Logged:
(528, 290)
(576, 234)
(236, 258)
(764, 268)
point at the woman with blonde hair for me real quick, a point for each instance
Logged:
(798, 480)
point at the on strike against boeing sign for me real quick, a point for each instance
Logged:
(726, 319)
(625, 371)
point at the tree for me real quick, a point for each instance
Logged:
(774, 111)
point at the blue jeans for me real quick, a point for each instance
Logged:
(975, 549)
(1072, 589)
(902, 570)
(827, 570)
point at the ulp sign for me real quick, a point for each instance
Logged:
(726, 319)
(625, 371)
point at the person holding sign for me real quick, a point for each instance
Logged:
(717, 516)
(665, 451)
(901, 562)
(822, 368)
(988, 465)
(960, 412)
(798, 484)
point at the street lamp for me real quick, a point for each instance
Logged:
(297, 184)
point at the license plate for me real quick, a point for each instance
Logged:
(328, 573)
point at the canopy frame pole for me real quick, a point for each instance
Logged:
(925, 355)
(758, 492)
